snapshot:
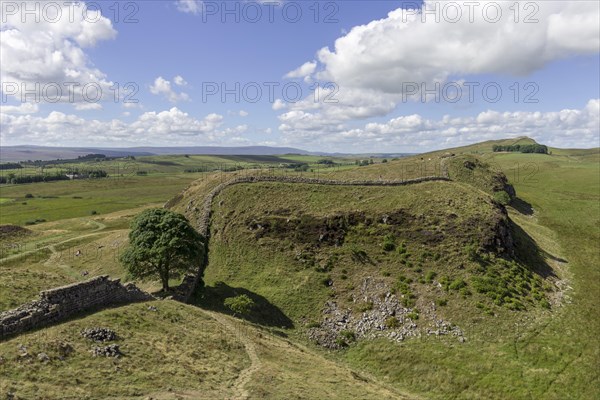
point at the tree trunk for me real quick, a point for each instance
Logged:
(165, 281)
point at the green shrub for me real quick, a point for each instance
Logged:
(241, 304)
(502, 197)
(387, 246)
(471, 251)
(457, 284)
(348, 336)
(430, 276)
(409, 301)
(366, 306)
(441, 302)
(389, 243)
(413, 315)
(392, 322)
(545, 304)
(401, 249)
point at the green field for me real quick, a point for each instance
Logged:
(294, 247)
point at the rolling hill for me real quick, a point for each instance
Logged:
(438, 289)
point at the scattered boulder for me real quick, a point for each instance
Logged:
(43, 357)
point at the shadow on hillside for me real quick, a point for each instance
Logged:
(529, 252)
(263, 313)
(522, 206)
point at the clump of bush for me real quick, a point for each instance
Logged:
(392, 322)
(502, 197)
(241, 304)
(457, 284)
(441, 302)
(430, 276)
(413, 315)
(401, 249)
(367, 306)
(389, 243)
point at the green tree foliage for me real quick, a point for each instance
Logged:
(522, 148)
(162, 243)
(4, 166)
(502, 197)
(15, 180)
(241, 304)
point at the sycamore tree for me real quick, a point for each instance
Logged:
(162, 244)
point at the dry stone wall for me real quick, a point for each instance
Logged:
(61, 303)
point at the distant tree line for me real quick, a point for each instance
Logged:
(96, 173)
(10, 166)
(362, 163)
(59, 176)
(87, 157)
(326, 162)
(13, 179)
(522, 148)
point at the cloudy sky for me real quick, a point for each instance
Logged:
(351, 76)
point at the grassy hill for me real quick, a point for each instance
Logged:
(432, 290)
(266, 244)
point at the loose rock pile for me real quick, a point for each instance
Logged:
(112, 350)
(373, 323)
(99, 334)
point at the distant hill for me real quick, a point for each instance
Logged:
(23, 153)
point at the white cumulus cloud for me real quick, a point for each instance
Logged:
(189, 6)
(564, 128)
(47, 57)
(163, 87)
(168, 127)
(374, 64)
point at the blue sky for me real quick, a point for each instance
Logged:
(176, 50)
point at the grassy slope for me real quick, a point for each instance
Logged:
(176, 352)
(540, 355)
(551, 358)
(565, 193)
(176, 347)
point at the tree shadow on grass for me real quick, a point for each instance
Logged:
(529, 252)
(522, 206)
(263, 313)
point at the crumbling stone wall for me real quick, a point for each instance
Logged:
(61, 303)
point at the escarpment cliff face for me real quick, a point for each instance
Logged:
(358, 260)
(479, 174)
